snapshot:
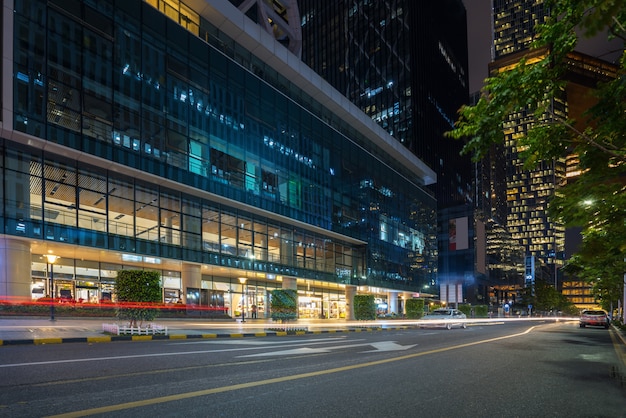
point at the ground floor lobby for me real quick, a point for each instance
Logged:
(37, 269)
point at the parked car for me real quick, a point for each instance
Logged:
(594, 317)
(447, 318)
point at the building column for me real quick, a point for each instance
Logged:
(392, 303)
(350, 293)
(290, 283)
(191, 277)
(15, 268)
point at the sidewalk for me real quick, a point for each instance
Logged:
(41, 330)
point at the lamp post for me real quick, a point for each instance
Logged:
(243, 280)
(51, 259)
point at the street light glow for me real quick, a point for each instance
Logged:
(51, 259)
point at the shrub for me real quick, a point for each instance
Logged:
(284, 304)
(466, 309)
(364, 307)
(136, 291)
(414, 308)
(481, 311)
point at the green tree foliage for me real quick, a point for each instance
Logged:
(364, 307)
(284, 304)
(480, 311)
(597, 200)
(414, 308)
(547, 300)
(606, 272)
(135, 288)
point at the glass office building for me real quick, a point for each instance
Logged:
(528, 191)
(175, 137)
(514, 23)
(404, 64)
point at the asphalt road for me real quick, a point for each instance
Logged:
(505, 369)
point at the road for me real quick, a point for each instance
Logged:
(503, 369)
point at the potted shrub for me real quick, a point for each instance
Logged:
(284, 305)
(136, 291)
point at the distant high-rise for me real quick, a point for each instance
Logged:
(528, 192)
(514, 23)
(404, 63)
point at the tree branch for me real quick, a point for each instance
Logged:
(586, 138)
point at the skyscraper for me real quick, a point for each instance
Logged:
(528, 192)
(404, 64)
(514, 23)
(175, 136)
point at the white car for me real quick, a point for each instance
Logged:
(447, 318)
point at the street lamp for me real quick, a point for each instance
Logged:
(51, 259)
(243, 281)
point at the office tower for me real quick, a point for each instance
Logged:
(404, 64)
(514, 23)
(177, 137)
(528, 192)
(281, 19)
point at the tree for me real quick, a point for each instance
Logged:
(605, 273)
(596, 201)
(136, 290)
(547, 299)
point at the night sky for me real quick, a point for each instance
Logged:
(479, 40)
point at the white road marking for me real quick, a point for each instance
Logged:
(379, 346)
(389, 346)
(93, 359)
(226, 341)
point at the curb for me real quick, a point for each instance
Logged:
(114, 338)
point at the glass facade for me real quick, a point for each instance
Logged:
(527, 191)
(404, 64)
(514, 23)
(144, 130)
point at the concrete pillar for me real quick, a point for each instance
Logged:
(15, 268)
(350, 293)
(392, 302)
(290, 283)
(191, 277)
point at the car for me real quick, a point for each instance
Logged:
(445, 317)
(594, 317)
